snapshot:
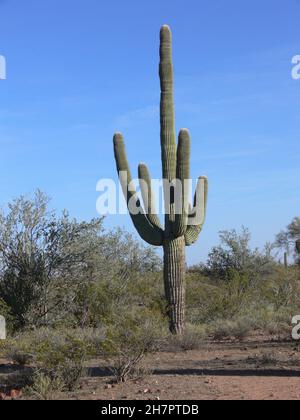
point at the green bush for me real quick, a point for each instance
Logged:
(283, 290)
(127, 290)
(209, 300)
(130, 337)
(57, 354)
(191, 339)
(238, 329)
(44, 387)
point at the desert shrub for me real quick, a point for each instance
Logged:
(19, 350)
(281, 330)
(212, 300)
(130, 337)
(235, 253)
(234, 282)
(266, 358)
(57, 353)
(275, 328)
(221, 330)
(192, 339)
(2, 348)
(124, 289)
(241, 329)
(44, 387)
(270, 321)
(288, 239)
(20, 358)
(238, 329)
(63, 354)
(274, 300)
(57, 271)
(284, 288)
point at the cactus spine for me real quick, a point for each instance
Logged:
(177, 232)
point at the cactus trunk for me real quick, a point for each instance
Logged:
(174, 279)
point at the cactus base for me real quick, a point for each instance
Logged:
(174, 279)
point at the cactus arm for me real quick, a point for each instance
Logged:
(183, 175)
(148, 196)
(167, 120)
(146, 230)
(194, 230)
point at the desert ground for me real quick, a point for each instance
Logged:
(260, 368)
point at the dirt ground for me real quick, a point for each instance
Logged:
(257, 369)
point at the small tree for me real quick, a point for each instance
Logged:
(41, 258)
(234, 254)
(289, 239)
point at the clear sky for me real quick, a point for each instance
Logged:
(78, 70)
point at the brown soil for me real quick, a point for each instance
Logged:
(254, 370)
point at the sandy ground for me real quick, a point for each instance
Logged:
(255, 370)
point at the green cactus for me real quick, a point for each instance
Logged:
(178, 231)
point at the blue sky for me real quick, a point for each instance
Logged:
(78, 70)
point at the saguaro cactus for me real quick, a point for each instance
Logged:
(179, 231)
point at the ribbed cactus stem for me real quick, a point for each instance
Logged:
(174, 278)
(167, 120)
(193, 230)
(151, 234)
(183, 176)
(148, 196)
